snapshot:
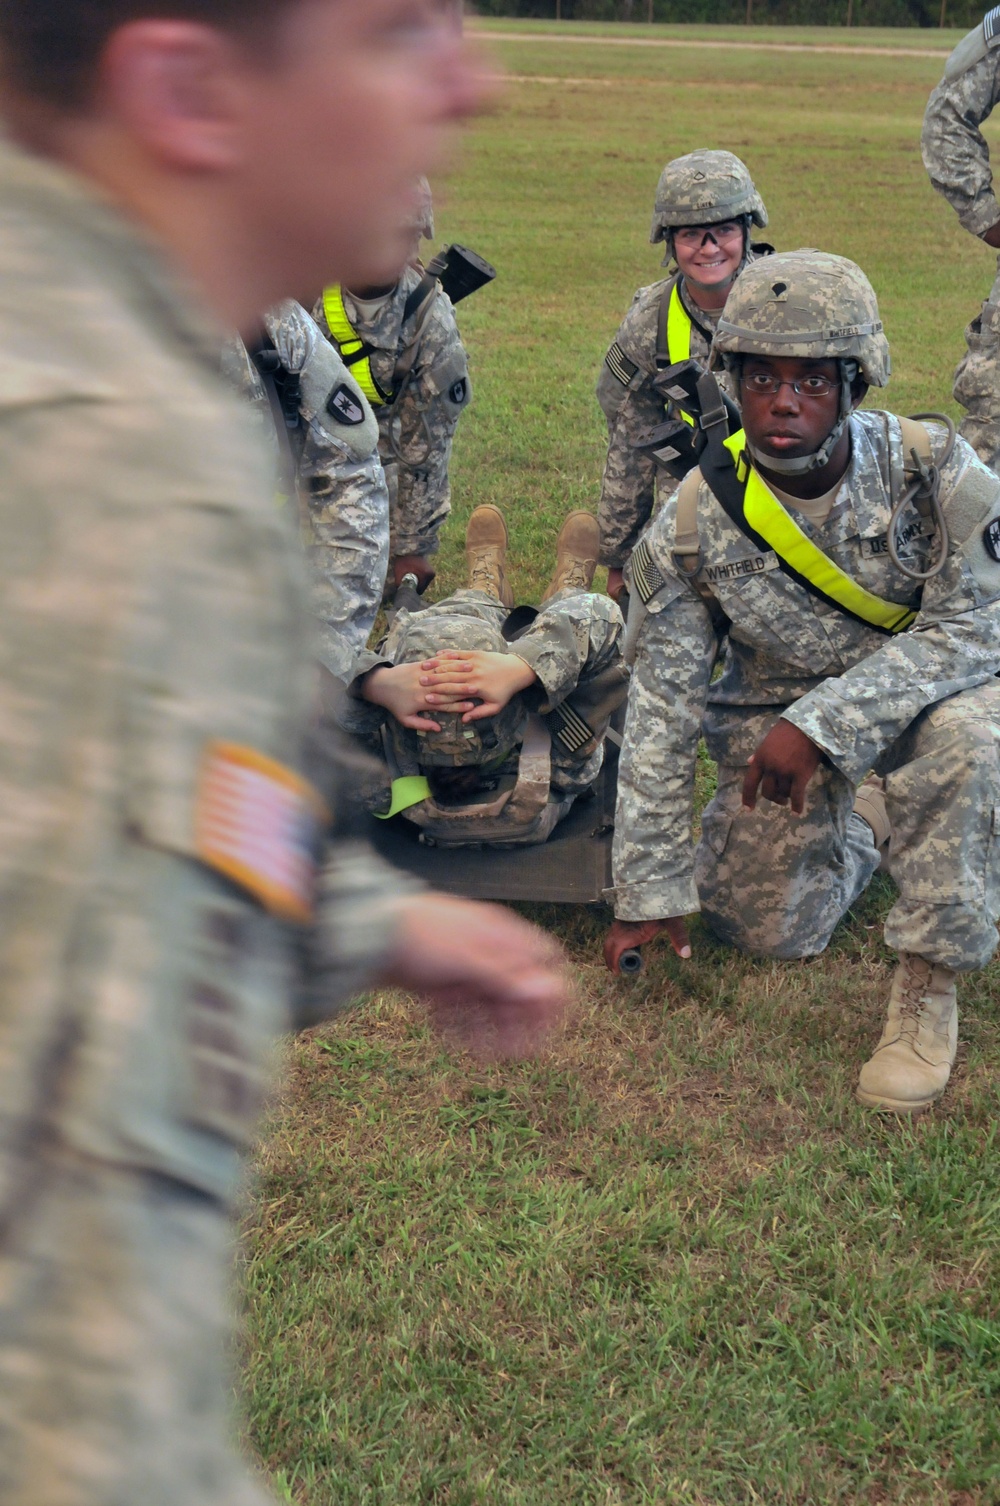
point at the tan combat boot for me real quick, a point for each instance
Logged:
(576, 554)
(486, 551)
(912, 1062)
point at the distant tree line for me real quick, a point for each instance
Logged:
(960, 13)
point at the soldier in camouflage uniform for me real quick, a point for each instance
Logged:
(325, 452)
(414, 370)
(490, 732)
(861, 627)
(164, 793)
(958, 160)
(706, 204)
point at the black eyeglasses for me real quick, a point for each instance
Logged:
(766, 385)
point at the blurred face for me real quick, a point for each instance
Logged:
(789, 405)
(360, 100)
(709, 255)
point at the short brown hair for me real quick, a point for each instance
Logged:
(51, 48)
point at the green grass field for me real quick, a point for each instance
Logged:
(672, 1262)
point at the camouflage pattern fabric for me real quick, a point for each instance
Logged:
(630, 485)
(957, 159)
(158, 621)
(113, 1382)
(776, 884)
(867, 701)
(417, 429)
(339, 485)
(977, 380)
(575, 640)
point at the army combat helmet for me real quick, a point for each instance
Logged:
(459, 744)
(705, 188)
(813, 305)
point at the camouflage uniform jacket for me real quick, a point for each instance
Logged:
(851, 689)
(954, 149)
(630, 484)
(416, 430)
(155, 635)
(343, 504)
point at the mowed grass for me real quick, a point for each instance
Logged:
(672, 1261)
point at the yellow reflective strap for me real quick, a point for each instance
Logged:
(769, 518)
(350, 343)
(679, 335)
(407, 791)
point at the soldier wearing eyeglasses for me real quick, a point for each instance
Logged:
(706, 207)
(844, 566)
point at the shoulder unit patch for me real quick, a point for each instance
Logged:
(343, 405)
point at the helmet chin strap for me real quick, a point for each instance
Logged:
(803, 464)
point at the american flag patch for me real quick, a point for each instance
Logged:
(619, 364)
(991, 24)
(573, 732)
(258, 822)
(647, 577)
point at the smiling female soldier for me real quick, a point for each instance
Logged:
(706, 204)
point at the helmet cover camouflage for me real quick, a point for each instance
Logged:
(459, 744)
(808, 304)
(704, 188)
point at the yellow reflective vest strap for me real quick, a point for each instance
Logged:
(768, 518)
(679, 334)
(351, 346)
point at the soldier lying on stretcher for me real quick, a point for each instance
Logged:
(490, 719)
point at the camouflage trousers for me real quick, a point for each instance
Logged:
(776, 884)
(977, 381)
(114, 1321)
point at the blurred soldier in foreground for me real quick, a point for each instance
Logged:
(496, 718)
(179, 166)
(850, 562)
(958, 160)
(706, 206)
(402, 345)
(323, 437)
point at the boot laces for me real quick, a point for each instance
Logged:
(913, 994)
(485, 567)
(575, 574)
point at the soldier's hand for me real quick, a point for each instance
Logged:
(399, 689)
(453, 678)
(493, 982)
(625, 934)
(413, 564)
(992, 236)
(616, 583)
(781, 768)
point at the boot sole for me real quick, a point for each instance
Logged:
(896, 1105)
